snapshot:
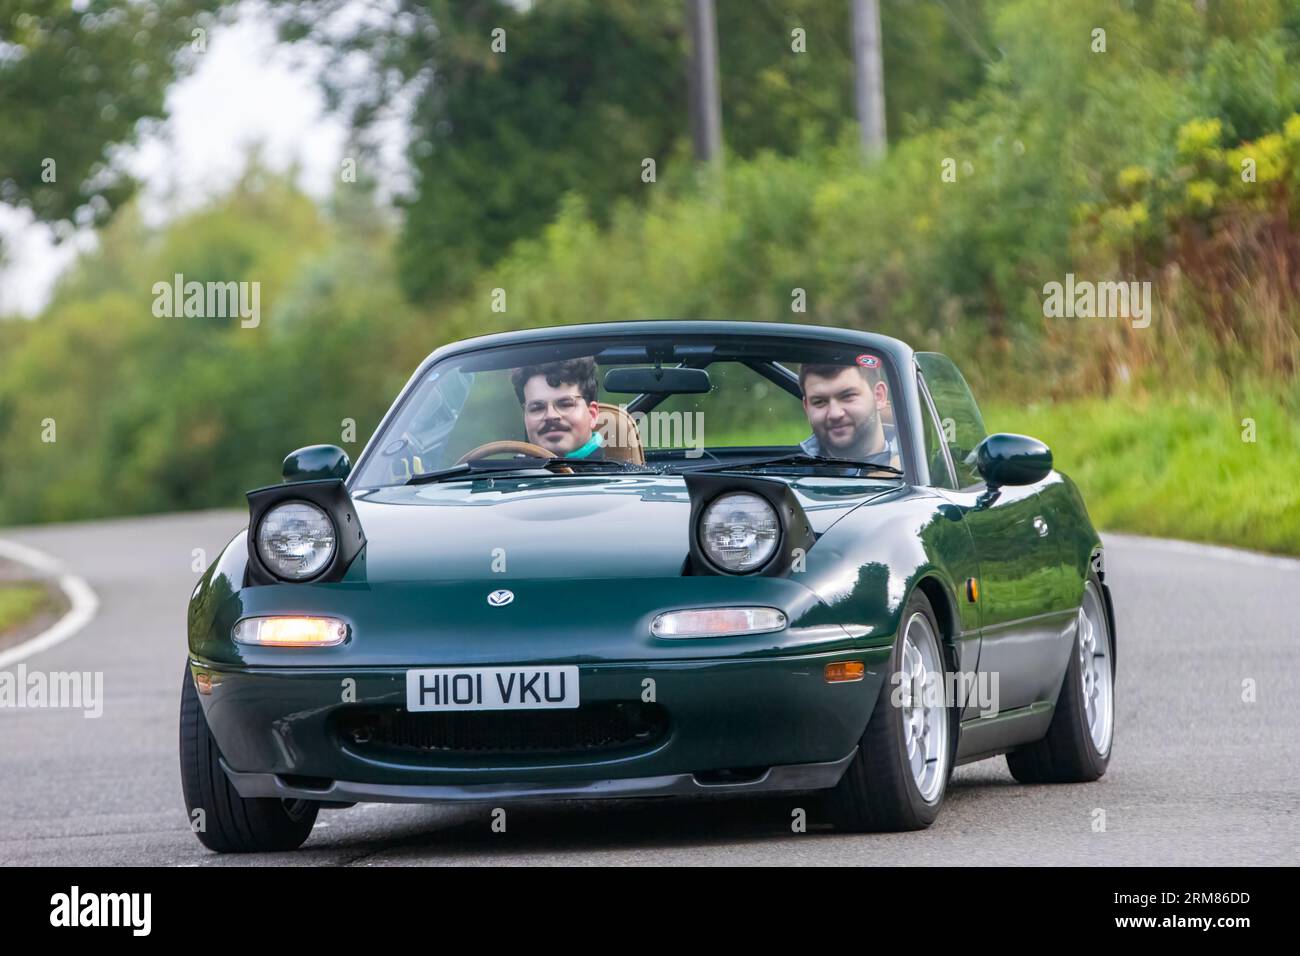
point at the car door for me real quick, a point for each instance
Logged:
(1013, 543)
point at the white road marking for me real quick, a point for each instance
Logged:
(82, 599)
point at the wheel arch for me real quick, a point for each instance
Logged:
(1098, 564)
(945, 615)
(943, 603)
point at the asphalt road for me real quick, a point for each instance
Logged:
(1198, 776)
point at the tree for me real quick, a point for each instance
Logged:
(77, 78)
(575, 94)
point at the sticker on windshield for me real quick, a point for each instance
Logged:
(868, 361)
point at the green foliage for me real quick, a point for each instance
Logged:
(162, 413)
(20, 602)
(1250, 86)
(1040, 184)
(76, 82)
(1123, 164)
(585, 90)
(501, 151)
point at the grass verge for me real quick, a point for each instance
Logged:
(20, 602)
(1200, 467)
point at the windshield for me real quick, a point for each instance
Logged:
(655, 403)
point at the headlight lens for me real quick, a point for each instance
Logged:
(717, 622)
(296, 540)
(739, 532)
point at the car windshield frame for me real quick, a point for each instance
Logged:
(730, 346)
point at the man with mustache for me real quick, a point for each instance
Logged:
(844, 404)
(559, 402)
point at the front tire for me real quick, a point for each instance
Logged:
(1078, 742)
(899, 775)
(228, 823)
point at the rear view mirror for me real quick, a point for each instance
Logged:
(658, 381)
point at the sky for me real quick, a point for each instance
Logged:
(247, 90)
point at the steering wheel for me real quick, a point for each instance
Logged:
(501, 447)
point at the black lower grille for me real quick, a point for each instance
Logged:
(601, 726)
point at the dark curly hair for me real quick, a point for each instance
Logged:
(577, 371)
(822, 370)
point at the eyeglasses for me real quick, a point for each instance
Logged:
(564, 405)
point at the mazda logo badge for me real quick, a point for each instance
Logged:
(501, 598)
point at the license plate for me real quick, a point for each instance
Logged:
(491, 688)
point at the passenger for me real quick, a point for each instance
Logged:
(844, 405)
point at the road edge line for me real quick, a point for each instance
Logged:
(83, 601)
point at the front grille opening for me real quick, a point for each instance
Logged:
(299, 782)
(590, 728)
(731, 775)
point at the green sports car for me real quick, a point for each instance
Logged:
(651, 559)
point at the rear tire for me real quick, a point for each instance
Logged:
(886, 787)
(229, 823)
(1078, 743)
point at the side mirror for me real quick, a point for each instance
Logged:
(315, 463)
(1005, 459)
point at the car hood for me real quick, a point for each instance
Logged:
(597, 526)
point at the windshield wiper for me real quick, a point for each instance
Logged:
(602, 465)
(801, 458)
(522, 463)
(477, 468)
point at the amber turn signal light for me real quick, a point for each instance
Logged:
(842, 671)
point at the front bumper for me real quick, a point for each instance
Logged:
(796, 778)
(769, 724)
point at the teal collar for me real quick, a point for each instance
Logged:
(593, 443)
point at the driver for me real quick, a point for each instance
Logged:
(560, 409)
(844, 404)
